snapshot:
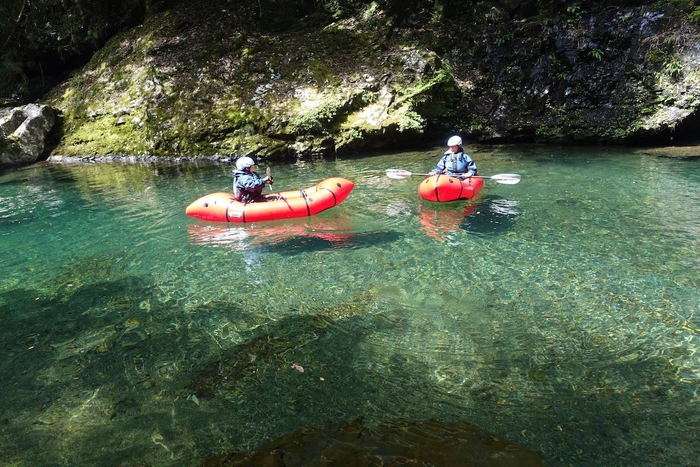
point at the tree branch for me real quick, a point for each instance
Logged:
(19, 17)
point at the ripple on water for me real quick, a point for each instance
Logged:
(564, 305)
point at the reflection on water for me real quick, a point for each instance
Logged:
(441, 222)
(480, 216)
(243, 237)
(293, 236)
(559, 313)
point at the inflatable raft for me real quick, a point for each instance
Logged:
(447, 188)
(222, 207)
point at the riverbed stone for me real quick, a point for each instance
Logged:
(400, 442)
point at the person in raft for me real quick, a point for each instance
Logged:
(455, 161)
(247, 184)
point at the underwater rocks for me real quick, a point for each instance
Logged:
(401, 442)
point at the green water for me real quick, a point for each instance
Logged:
(560, 313)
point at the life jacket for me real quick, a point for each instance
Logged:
(457, 163)
(243, 193)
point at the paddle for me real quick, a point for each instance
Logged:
(507, 179)
(268, 176)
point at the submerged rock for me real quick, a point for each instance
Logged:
(402, 442)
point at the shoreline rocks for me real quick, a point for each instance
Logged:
(23, 133)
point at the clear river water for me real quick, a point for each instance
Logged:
(561, 313)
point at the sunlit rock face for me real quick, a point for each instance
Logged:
(23, 132)
(369, 78)
(402, 442)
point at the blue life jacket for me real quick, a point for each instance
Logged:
(456, 163)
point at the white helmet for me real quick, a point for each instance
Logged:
(454, 141)
(244, 162)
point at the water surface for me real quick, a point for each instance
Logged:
(559, 313)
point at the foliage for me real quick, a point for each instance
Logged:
(12, 78)
(677, 4)
(597, 54)
(674, 67)
(209, 75)
(504, 38)
(574, 13)
(48, 36)
(695, 15)
(10, 13)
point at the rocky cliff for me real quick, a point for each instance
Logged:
(201, 78)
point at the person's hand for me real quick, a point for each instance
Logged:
(268, 180)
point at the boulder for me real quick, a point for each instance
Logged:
(23, 132)
(397, 443)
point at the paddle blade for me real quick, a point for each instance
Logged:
(398, 174)
(507, 179)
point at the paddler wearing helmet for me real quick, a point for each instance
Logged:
(455, 161)
(247, 184)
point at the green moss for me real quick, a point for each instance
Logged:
(317, 119)
(321, 73)
(542, 130)
(181, 84)
(107, 135)
(673, 67)
(694, 15)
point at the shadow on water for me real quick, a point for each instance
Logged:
(90, 360)
(323, 242)
(32, 175)
(492, 216)
(99, 369)
(94, 371)
(33, 194)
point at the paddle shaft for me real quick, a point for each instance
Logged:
(508, 179)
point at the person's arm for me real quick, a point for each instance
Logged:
(440, 168)
(250, 181)
(471, 166)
